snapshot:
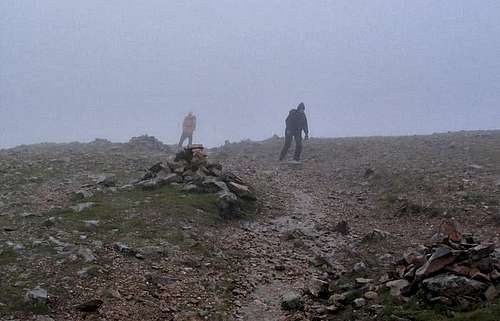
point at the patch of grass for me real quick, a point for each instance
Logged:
(417, 311)
(13, 300)
(141, 217)
(7, 256)
(477, 197)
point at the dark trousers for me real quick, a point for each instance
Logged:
(288, 142)
(183, 138)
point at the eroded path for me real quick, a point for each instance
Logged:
(286, 246)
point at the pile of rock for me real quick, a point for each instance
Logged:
(196, 174)
(455, 270)
(147, 143)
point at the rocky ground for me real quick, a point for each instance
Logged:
(349, 211)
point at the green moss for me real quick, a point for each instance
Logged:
(7, 256)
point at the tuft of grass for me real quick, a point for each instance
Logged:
(417, 311)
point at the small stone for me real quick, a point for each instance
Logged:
(91, 223)
(376, 235)
(106, 180)
(87, 254)
(36, 296)
(491, 294)
(81, 195)
(318, 287)
(359, 303)
(387, 259)
(451, 231)
(363, 281)
(359, 267)
(124, 248)
(371, 295)
(397, 287)
(82, 207)
(88, 272)
(291, 301)
(342, 227)
(414, 258)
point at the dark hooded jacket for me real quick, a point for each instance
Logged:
(296, 122)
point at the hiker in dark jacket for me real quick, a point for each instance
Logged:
(296, 122)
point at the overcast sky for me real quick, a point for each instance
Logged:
(77, 70)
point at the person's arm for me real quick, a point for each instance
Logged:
(306, 127)
(194, 123)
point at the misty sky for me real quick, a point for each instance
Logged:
(77, 70)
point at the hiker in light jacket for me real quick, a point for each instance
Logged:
(188, 128)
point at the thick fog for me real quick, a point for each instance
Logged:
(77, 70)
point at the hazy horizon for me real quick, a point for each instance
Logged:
(76, 71)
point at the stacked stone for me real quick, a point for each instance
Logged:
(192, 170)
(455, 270)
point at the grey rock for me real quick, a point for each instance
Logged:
(318, 287)
(387, 259)
(449, 285)
(292, 301)
(82, 207)
(371, 295)
(192, 188)
(212, 185)
(87, 254)
(124, 249)
(91, 223)
(58, 242)
(242, 191)
(107, 180)
(396, 287)
(82, 194)
(150, 251)
(87, 272)
(159, 181)
(441, 257)
(36, 296)
(376, 235)
(359, 267)
(481, 251)
(363, 281)
(359, 302)
(228, 204)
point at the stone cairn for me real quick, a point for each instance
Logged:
(192, 170)
(455, 270)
